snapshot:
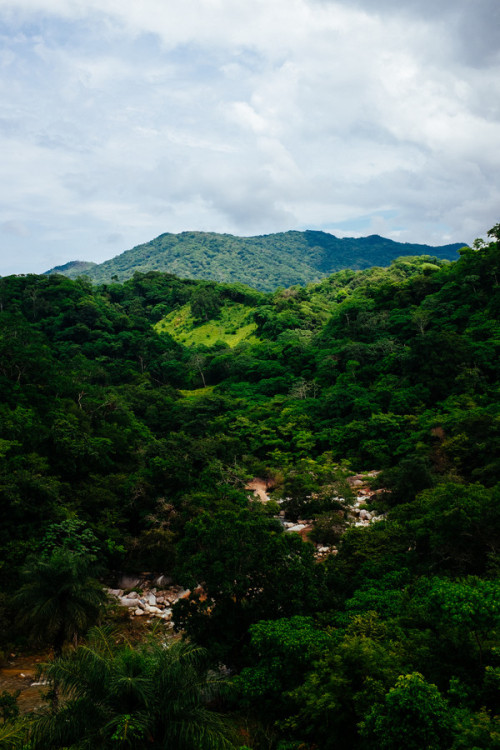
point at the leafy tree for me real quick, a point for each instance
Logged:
(280, 653)
(205, 303)
(247, 569)
(470, 607)
(72, 535)
(342, 684)
(454, 527)
(414, 715)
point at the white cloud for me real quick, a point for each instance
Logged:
(130, 119)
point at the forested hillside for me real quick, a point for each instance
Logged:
(266, 262)
(132, 418)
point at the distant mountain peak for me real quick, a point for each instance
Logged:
(72, 269)
(264, 262)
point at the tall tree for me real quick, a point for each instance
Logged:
(59, 599)
(117, 696)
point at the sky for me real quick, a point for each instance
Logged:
(121, 120)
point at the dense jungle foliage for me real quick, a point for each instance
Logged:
(133, 415)
(264, 262)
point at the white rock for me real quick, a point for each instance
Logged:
(297, 527)
(139, 612)
(126, 602)
(128, 582)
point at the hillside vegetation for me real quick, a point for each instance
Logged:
(266, 262)
(234, 324)
(132, 418)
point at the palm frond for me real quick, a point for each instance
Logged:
(12, 735)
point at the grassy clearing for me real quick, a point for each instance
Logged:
(198, 392)
(231, 326)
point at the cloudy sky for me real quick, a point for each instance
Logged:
(123, 119)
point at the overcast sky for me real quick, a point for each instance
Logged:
(123, 119)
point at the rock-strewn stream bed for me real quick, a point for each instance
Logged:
(357, 514)
(150, 599)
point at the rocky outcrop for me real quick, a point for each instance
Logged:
(150, 601)
(359, 514)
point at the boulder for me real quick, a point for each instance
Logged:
(152, 610)
(126, 602)
(163, 581)
(128, 582)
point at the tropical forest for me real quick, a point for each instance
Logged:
(235, 516)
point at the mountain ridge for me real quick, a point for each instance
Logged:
(265, 262)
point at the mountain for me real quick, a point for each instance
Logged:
(264, 262)
(73, 269)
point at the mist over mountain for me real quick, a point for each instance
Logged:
(263, 262)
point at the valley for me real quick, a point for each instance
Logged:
(138, 419)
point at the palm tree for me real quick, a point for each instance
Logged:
(117, 696)
(59, 600)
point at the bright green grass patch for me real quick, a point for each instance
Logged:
(198, 392)
(231, 326)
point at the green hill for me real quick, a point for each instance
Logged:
(73, 269)
(265, 262)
